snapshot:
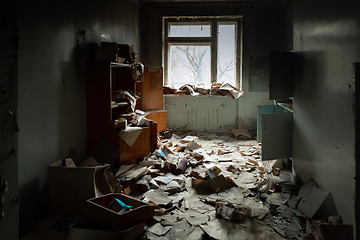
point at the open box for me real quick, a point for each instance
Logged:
(97, 209)
(71, 186)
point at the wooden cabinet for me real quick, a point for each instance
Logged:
(103, 80)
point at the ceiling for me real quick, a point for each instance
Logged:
(170, 1)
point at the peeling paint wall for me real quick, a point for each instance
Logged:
(52, 84)
(263, 31)
(326, 38)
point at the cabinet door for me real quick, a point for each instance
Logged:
(264, 109)
(276, 135)
(152, 92)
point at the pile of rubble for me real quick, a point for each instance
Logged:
(224, 191)
(215, 185)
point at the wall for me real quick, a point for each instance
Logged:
(263, 30)
(326, 38)
(9, 208)
(53, 43)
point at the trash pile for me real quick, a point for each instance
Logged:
(214, 185)
(222, 192)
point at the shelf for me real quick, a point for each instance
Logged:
(119, 104)
(114, 64)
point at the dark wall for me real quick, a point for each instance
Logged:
(326, 39)
(54, 39)
(263, 30)
(9, 208)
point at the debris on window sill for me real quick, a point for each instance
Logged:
(216, 89)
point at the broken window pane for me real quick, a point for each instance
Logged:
(189, 30)
(226, 65)
(189, 64)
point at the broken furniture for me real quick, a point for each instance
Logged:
(100, 209)
(103, 80)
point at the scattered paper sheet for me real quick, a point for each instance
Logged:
(236, 93)
(217, 228)
(278, 198)
(195, 218)
(133, 173)
(158, 196)
(130, 134)
(180, 230)
(158, 229)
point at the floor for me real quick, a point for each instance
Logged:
(225, 192)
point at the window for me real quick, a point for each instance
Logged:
(202, 50)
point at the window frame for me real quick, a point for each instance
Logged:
(212, 41)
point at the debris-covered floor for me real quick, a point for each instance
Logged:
(212, 186)
(224, 193)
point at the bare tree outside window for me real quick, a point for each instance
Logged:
(189, 64)
(195, 59)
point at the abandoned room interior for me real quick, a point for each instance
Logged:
(179, 119)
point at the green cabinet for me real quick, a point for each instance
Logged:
(275, 130)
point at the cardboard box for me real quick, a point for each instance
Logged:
(90, 230)
(70, 186)
(134, 145)
(97, 209)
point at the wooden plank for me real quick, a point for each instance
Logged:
(152, 89)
